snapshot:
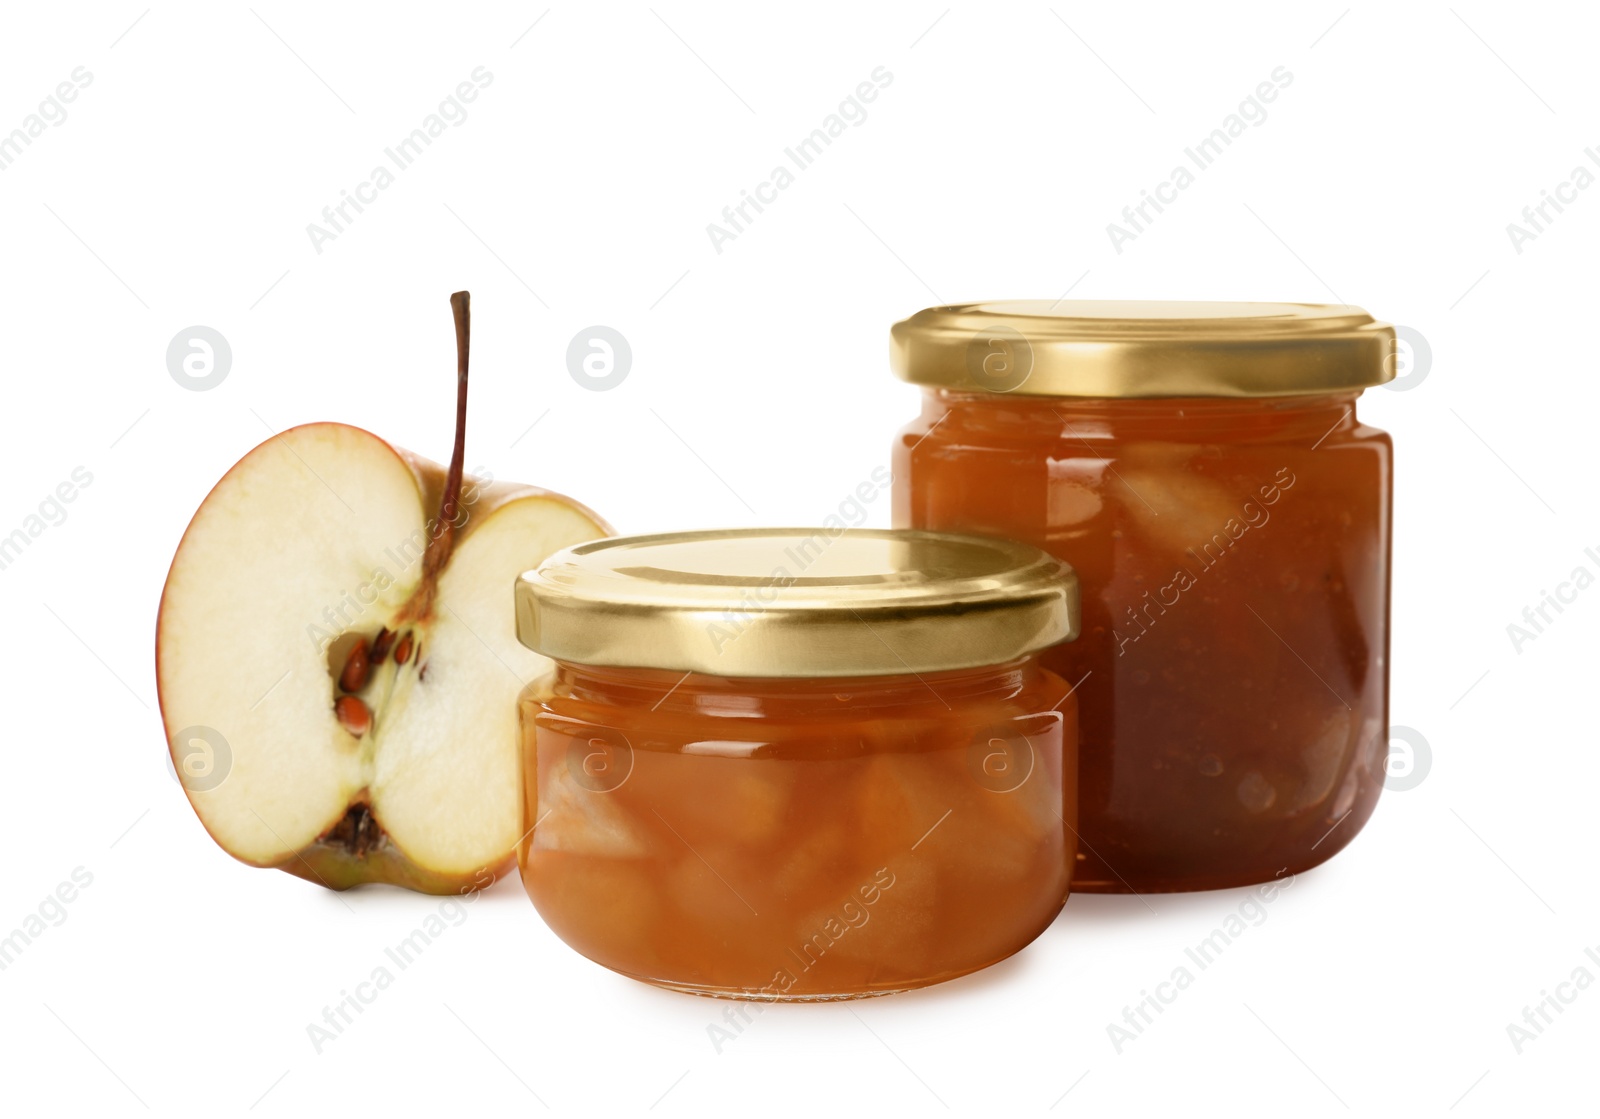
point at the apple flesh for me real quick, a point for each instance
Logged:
(362, 674)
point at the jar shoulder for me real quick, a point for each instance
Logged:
(853, 710)
(948, 433)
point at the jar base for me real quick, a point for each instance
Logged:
(1188, 884)
(742, 994)
(738, 995)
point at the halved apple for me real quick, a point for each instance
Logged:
(336, 639)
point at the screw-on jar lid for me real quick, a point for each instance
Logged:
(797, 602)
(1121, 349)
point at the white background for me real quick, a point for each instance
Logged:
(177, 193)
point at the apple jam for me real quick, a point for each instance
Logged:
(793, 765)
(1202, 468)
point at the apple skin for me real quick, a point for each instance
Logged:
(337, 868)
(332, 865)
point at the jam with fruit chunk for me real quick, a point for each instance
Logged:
(764, 809)
(1202, 468)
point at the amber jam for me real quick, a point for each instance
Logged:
(1233, 553)
(803, 836)
(798, 838)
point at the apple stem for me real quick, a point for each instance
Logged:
(461, 306)
(442, 542)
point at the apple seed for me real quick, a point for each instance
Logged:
(402, 650)
(381, 643)
(356, 668)
(353, 715)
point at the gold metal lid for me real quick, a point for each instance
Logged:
(1119, 349)
(797, 602)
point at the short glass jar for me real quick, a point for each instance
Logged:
(798, 764)
(1202, 468)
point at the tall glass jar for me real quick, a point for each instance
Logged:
(1203, 469)
(798, 764)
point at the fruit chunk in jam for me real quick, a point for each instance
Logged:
(798, 838)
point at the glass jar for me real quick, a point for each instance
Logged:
(797, 764)
(1202, 468)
